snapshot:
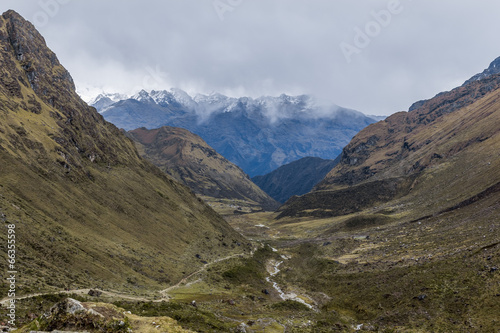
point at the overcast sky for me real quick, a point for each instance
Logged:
(375, 56)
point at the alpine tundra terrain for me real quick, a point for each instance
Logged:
(402, 235)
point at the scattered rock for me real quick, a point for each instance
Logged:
(265, 291)
(493, 269)
(95, 293)
(421, 297)
(241, 328)
(193, 303)
(231, 302)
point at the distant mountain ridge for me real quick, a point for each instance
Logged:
(259, 135)
(104, 100)
(295, 178)
(189, 160)
(493, 69)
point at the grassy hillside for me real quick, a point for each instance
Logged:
(88, 210)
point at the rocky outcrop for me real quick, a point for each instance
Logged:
(71, 315)
(493, 69)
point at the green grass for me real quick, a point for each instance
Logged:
(289, 306)
(186, 315)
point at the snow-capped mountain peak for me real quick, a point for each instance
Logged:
(102, 101)
(257, 134)
(143, 96)
(183, 98)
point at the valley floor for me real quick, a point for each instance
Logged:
(349, 273)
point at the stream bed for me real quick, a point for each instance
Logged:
(283, 295)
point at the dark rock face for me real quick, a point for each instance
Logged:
(295, 178)
(258, 135)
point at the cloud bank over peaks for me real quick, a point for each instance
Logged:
(203, 105)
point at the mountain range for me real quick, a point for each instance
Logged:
(259, 135)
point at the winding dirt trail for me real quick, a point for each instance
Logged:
(202, 269)
(5, 301)
(117, 294)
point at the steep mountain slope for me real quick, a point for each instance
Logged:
(189, 160)
(440, 154)
(259, 135)
(86, 208)
(296, 178)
